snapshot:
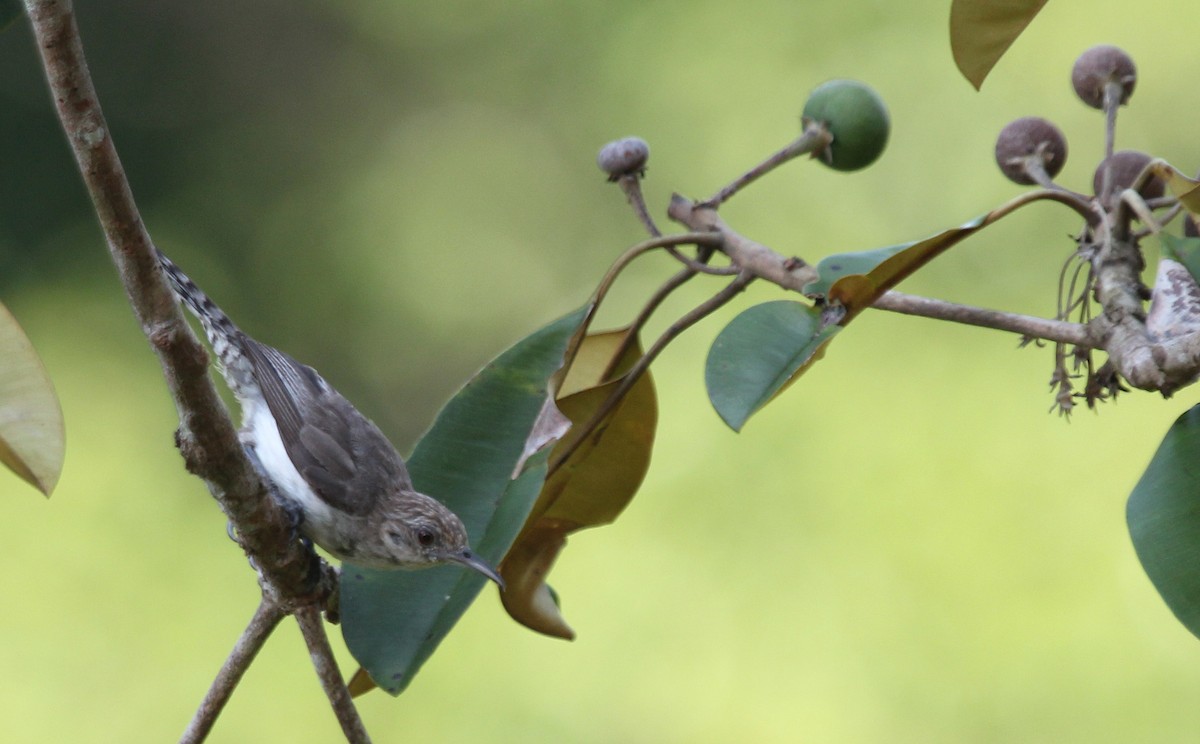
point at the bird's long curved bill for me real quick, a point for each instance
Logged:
(470, 560)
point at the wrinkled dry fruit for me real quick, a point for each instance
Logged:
(1030, 138)
(626, 156)
(1126, 166)
(1098, 66)
(856, 117)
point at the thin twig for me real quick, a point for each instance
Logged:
(693, 316)
(266, 619)
(1114, 91)
(660, 295)
(313, 630)
(631, 184)
(623, 261)
(1025, 325)
(1134, 202)
(743, 252)
(814, 138)
(698, 267)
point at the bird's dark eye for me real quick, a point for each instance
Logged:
(425, 536)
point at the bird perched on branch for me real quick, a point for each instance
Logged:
(331, 468)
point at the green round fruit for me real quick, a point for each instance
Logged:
(856, 117)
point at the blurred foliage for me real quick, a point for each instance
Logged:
(981, 31)
(906, 547)
(31, 425)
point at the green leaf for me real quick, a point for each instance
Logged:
(856, 280)
(981, 31)
(760, 353)
(1184, 250)
(31, 422)
(834, 267)
(1163, 514)
(393, 620)
(10, 11)
(766, 348)
(590, 487)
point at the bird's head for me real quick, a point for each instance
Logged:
(425, 533)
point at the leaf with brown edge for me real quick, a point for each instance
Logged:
(856, 280)
(981, 31)
(393, 621)
(592, 485)
(31, 422)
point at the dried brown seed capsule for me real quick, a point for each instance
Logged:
(1126, 165)
(1096, 67)
(1026, 138)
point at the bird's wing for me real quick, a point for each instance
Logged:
(342, 455)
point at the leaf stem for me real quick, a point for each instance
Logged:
(631, 185)
(695, 315)
(814, 138)
(632, 253)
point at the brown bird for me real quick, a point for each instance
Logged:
(330, 467)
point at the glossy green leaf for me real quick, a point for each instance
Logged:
(981, 31)
(760, 353)
(834, 267)
(591, 486)
(31, 422)
(1163, 514)
(856, 280)
(768, 347)
(393, 620)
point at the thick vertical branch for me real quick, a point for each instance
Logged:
(294, 577)
(206, 436)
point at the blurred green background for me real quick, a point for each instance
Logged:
(906, 547)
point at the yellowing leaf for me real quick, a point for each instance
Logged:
(592, 485)
(31, 423)
(361, 683)
(981, 31)
(1186, 190)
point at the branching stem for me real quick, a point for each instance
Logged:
(594, 425)
(264, 622)
(814, 138)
